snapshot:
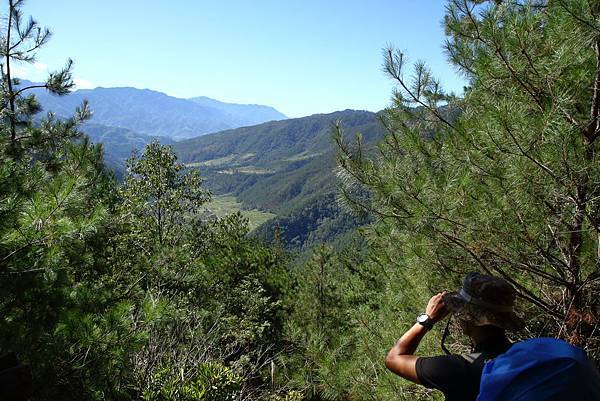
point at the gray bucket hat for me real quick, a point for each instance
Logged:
(485, 300)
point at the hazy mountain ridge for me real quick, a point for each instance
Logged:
(246, 114)
(154, 113)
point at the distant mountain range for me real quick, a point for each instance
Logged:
(154, 113)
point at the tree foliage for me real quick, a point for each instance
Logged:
(120, 291)
(505, 179)
(159, 199)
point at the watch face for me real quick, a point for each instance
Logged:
(422, 318)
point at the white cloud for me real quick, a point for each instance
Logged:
(81, 83)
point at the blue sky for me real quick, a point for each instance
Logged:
(299, 56)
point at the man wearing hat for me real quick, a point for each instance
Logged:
(484, 310)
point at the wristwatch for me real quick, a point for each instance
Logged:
(425, 321)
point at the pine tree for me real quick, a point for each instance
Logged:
(57, 313)
(505, 179)
(19, 44)
(159, 197)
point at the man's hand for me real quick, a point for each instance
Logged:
(436, 309)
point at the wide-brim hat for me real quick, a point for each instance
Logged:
(485, 300)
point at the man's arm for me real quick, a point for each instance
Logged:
(401, 359)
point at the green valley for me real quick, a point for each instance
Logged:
(224, 205)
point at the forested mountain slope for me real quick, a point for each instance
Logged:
(275, 143)
(285, 167)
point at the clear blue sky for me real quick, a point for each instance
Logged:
(299, 56)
